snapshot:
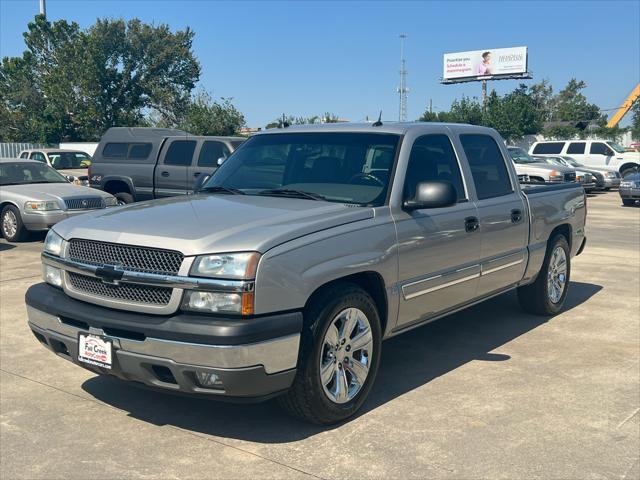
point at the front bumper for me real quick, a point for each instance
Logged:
(46, 220)
(253, 358)
(611, 182)
(629, 193)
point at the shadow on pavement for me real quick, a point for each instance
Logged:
(408, 362)
(6, 246)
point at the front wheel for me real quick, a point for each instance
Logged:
(11, 223)
(124, 198)
(547, 294)
(339, 359)
(628, 202)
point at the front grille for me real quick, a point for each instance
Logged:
(126, 257)
(84, 203)
(570, 177)
(128, 292)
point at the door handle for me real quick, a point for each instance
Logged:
(516, 216)
(196, 174)
(165, 174)
(471, 224)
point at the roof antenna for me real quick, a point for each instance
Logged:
(284, 122)
(378, 123)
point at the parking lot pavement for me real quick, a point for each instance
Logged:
(487, 393)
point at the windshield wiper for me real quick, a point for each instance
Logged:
(220, 189)
(285, 192)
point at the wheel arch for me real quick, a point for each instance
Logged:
(627, 166)
(115, 185)
(371, 282)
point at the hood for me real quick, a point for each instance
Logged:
(529, 167)
(199, 224)
(51, 191)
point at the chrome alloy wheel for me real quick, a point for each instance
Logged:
(345, 356)
(9, 224)
(557, 275)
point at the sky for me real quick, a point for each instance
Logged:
(305, 58)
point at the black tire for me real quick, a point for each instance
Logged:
(606, 189)
(124, 198)
(306, 399)
(535, 298)
(628, 202)
(8, 214)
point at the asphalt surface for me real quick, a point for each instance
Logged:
(490, 392)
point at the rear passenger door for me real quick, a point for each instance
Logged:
(210, 152)
(172, 174)
(577, 151)
(439, 248)
(504, 225)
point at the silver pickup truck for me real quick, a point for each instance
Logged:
(304, 251)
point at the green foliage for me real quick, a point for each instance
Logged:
(635, 120)
(73, 84)
(204, 116)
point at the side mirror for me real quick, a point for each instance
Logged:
(221, 160)
(202, 179)
(432, 195)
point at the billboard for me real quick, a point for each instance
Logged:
(484, 64)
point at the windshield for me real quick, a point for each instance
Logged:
(340, 167)
(618, 148)
(22, 173)
(571, 161)
(554, 161)
(520, 156)
(66, 160)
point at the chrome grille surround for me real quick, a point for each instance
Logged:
(142, 294)
(126, 257)
(88, 203)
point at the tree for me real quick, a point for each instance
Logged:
(74, 84)
(513, 115)
(204, 116)
(635, 121)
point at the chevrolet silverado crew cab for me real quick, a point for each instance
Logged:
(141, 163)
(306, 249)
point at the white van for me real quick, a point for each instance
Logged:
(594, 153)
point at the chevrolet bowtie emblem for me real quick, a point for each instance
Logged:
(110, 274)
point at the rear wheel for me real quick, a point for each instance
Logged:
(547, 294)
(339, 358)
(124, 198)
(628, 202)
(11, 223)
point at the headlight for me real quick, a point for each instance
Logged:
(626, 184)
(226, 265)
(110, 201)
(555, 176)
(31, 207)
(218, 302)
(53, 243)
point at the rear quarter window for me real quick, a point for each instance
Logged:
(549, 148)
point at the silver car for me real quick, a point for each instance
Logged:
(34, 196)
(630, 189)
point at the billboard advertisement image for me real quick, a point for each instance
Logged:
(482, 64)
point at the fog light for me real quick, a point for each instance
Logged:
(52, 275)
(215, 302)
(208, 380)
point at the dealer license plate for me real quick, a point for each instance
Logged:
(94, 350)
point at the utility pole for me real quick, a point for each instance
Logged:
(431, 105)
(484, 93)
(402, 89)
(43, 8)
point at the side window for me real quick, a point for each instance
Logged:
(490, 174)
(24, 155)
(599, 148)
(576, 147)
(139, 151)
(180, 153)
(115, 150)
(432, 159)
(548, 148)
(39, 157)
(211, 152)
(133, 151)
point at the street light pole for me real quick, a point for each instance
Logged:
(43, 8)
